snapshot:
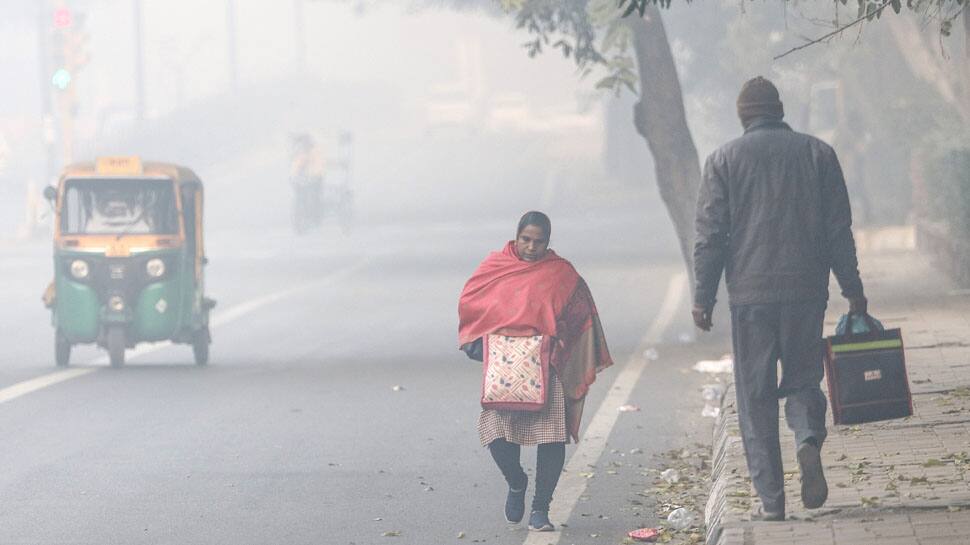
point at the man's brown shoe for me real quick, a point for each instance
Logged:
(814, 488)
(767, 516)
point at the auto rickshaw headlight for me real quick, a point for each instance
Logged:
(155, 267)
(116, 303)
(80, 269)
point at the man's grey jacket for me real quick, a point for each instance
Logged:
(773, 214)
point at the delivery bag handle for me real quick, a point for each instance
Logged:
(870, 322)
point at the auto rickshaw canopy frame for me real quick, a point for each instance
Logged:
(127, 168)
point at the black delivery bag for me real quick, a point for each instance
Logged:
(866, 374)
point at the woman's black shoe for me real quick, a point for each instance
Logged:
(515, 503)
(539, 522)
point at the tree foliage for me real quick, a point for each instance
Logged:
(595, 34)
(868, 9)
(590, 32)
(944, 12)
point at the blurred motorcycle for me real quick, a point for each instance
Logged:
(306, 179)
(321, 190)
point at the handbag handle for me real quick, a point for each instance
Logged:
(870, 322)
(474, 350)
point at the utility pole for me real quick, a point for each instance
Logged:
(300, 34)
(139, 61)
(46, 104)
(232, 45)
(70, 55)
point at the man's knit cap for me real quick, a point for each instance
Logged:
(759, 98)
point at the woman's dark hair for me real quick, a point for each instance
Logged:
(538, 219)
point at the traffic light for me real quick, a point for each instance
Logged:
(61, 79)
(62, 17)
(69, 46)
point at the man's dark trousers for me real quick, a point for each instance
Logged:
(763, 334)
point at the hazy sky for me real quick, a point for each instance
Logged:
(414, 53)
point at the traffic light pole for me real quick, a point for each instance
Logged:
(300, 33)
(232, 46)
(46, 102)
(139, 62)
(67, 102)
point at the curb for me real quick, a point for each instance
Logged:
(730, 497)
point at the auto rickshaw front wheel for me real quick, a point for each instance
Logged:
(200, 346)
(116, 345)
(62, 349)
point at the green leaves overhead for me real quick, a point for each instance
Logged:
(872, 9)
(640, 6)
(596, 34)
(592, 33)
(561, 25)
(944, 10)
(946, 27)
(617, 36)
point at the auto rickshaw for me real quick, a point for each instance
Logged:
(129, 258)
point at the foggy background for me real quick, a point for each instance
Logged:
(336, 405)
(456, 130)
(448, 113)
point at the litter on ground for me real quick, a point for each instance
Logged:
(644, 534)
(723, 365)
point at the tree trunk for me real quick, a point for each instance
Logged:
(660, 118)
(950, 78)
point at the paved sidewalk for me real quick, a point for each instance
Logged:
(898, 482)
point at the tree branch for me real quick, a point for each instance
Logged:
(837, 31)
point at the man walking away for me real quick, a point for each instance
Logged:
(773, 214)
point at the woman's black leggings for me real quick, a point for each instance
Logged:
(549, 461)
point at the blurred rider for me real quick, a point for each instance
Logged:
(306, 177)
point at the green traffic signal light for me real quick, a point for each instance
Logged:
(61, 78)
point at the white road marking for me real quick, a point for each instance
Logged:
(231, 314)
(572, 484)
(23, 388)
(668, 310)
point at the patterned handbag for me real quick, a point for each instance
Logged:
(515, 373)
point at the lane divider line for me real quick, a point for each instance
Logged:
(668, 310)
(23, 388)
(572, 484)
(231, 314)
(240, 310)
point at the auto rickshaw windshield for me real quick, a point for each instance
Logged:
(94, 206)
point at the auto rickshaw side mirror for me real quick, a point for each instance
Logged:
(50, 193)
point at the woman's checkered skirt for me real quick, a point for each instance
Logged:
(528, 427)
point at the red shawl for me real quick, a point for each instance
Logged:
(546, 297)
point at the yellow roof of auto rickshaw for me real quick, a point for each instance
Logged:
(130, 167)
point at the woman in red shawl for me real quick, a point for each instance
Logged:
(526, 290)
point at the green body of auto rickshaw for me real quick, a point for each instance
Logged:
(128, 258)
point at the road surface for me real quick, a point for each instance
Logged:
(336, 407)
